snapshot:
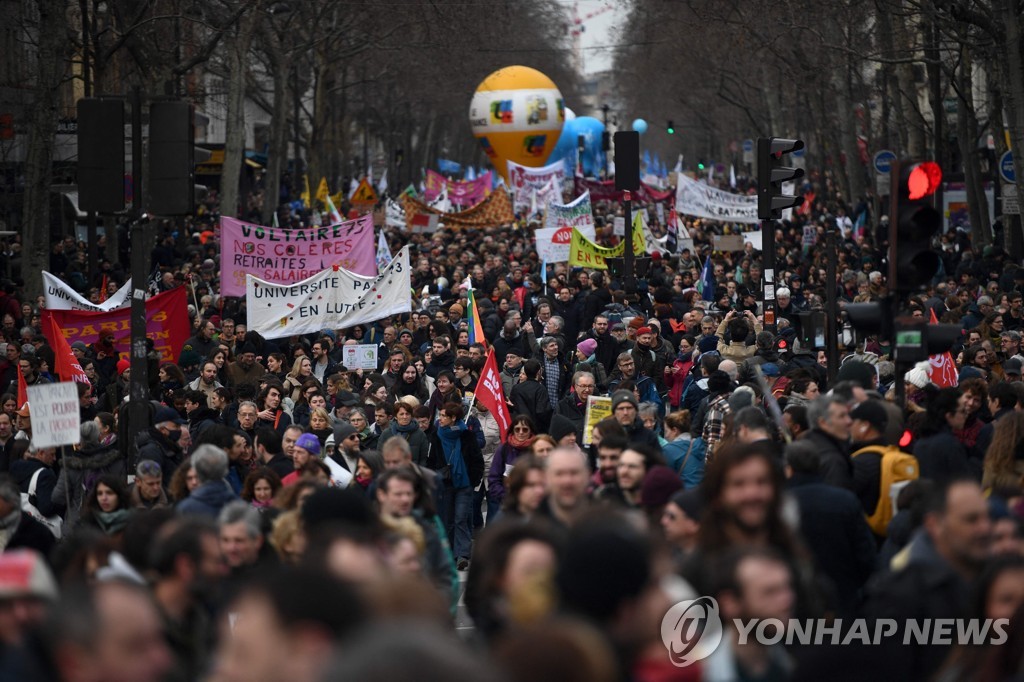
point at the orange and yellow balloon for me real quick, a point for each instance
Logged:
(517, 114)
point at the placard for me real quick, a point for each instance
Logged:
(55, 416)
(361, 356)
(598, 408)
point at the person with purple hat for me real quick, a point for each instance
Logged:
(586, 361)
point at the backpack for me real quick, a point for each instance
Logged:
(54, 523)
(897, 470)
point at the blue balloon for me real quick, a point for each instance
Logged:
(565, 148)
(593, 157)
(640, 126)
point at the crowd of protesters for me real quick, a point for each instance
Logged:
(285, 517)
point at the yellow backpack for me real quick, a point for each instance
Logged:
(898, 469)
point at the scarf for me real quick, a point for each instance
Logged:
(112, 522)
(408, 428)
(521, 443)
(451, 443)
(262, 505)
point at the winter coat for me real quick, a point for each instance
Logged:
(470, 453)
(208, 499)
(22, 472)
(835, 468)
(155, 446)
(79, 473)
(531, 398)
(417, 441)
(942, 457)
(503, 456)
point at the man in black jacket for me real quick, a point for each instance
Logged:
(574, 406)
(160, 442)
(23, 470)
(830, 433)
(530, 397)
(18, 530)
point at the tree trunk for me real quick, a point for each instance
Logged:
(278, 157)
(967, 132)
(50, 67)
(234, 142)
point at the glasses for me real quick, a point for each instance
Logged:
(583, 386)
(521, 429)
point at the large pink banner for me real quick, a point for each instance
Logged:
(281, 255)
(461, 192)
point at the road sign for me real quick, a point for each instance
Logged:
(1010, 204)
(1006, 169)
(748, 145)
(883, 161)
(799, 153)
(748, 151)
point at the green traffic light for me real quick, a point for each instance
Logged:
(671, 131)
(700, 166)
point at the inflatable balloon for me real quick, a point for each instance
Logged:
(566, 148)
(640, 126)
(517, 114)
(593, 157)
(569, 114)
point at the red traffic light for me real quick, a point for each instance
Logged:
(906, 439)
(924, 180)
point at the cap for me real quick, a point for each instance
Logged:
(659, 484)
(587, 346)
(1012, 366)
(23, 573)
(346, 398)
(618, 327)
(620, 397)
(167, 414)
(24, 411)
(456, 308)
(872, 412)
(770, 369)
(341, 432)
(122, 365)
(644, 330)
(309, 443)
(690, 501)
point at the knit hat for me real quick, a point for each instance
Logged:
(560, 427)
(309, 443)
(456, 308)
(341, 432)
(636, 322)
(624, 396)
(969, 372)
(691, 502)
(718, 382)
(189, 357)
(708, 344)
(919, 376)
(587, 346)
(770, 369)
(858, 372)
(872, 412)
(79, 345)
(346, 399)
(122, 365)
(644, 330)
(659, 484)
(23, 573)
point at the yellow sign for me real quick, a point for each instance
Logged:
(598, 408)
(584, 253)
(364, 196)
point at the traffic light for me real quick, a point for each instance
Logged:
(671, 127)
(914, 339)
(917, 223)
(700, 165)
(871, 319)
(771, 174)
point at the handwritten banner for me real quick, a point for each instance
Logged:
(577, 213)
(166, 323)
(283, 256)
(333, 299)
(524, 181)
(461, 192)
(703, 201)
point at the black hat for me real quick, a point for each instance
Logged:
(872, 412)
(560, 427)
(690, 501)
(719, 382)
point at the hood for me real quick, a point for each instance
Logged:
(95, 457)
(213, 493)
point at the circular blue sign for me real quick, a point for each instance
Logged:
(748, 145)
(1006, 169)
(883, 161)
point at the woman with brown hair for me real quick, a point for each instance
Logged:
(526, 489)
(1004, 459)
(521, 438)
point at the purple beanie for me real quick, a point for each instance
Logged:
(587, 346)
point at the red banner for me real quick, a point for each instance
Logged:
(605, 191)
(166, 323)
(492, 396)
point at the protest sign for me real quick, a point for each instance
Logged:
(166, 323)
(60, 296)
(598, 408)
(55, 418)
(523, 181)
(585, 253)
(553, 243)
(697, 199)
(360, 356)
(332, 299)
(282, 256)
(577, 213)
(461, 192)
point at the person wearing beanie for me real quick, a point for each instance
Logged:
(917, 379)
(245, 369)
(123, 366)
(719, 389)
(648, 363)
(625, 410)
(861, 373)
(586, 361)
(306, 449)
(563, 431)
(659, 485)
(680, 522)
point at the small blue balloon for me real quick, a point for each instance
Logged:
(640, 126)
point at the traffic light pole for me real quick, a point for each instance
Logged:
(138, 413)
(769, 301)
(628, 263)
(831, 305)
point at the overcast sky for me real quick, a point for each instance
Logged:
(599, 32)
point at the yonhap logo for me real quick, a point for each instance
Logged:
(691, 630)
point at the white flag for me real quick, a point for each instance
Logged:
(352, 187)
(732, 176)
(383, 252)
(382, 185)
(679, 165)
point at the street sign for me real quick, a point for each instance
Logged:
(1006, 169)
(1010, 204)
(799, 153)
(882, 161)
(748, 151)
(748, 145)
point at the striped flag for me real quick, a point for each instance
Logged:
(476, 330)
(332, 211)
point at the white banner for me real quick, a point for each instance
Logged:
(523, 180)
(55, 417)
(60, 296)
(577, 213)
(332, 299)
(702, 201)
(553, 242)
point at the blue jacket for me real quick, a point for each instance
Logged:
(208, 499)
(675, 452)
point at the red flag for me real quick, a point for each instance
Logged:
(103, 289)
(22, 389)
(66, 365)
(944, 374)
(491, 395)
